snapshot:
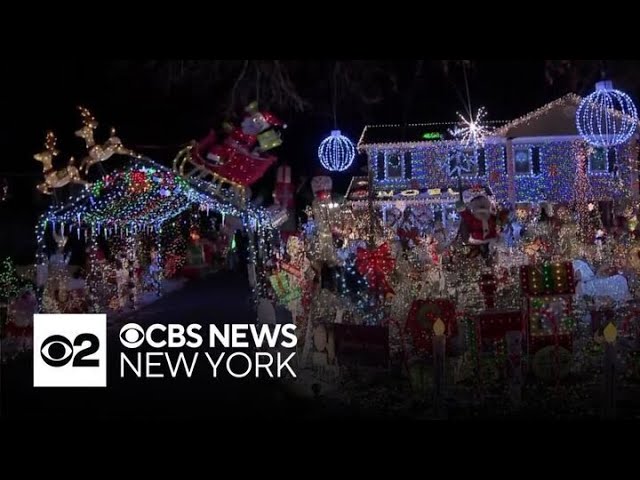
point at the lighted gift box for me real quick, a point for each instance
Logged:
(547, 279)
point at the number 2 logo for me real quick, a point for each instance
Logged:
(58, 350)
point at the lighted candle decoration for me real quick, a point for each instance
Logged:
(609, 404)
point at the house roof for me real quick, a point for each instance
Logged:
(410, 134)
(556, 118)
(417, 132)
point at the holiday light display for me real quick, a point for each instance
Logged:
(134, 205)
(56, 178)
(97, 153)
(229, 166)
(606, 117)
(545, 174)
(134, 200)
(403, 264)
(472, 131)
(402, 244)
(11, 282)
(336, 152)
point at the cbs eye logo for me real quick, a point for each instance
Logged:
(69, 350)
(57, 350)
(132, 335)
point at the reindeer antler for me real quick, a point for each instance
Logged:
(87, 118)
(50, 143)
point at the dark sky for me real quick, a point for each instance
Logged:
(44, 95)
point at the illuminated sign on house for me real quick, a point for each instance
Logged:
(432, 136)
(413, 192)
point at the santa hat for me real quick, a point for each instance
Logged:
(273, 120)
(474, 192)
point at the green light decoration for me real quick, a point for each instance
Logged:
(11, 282)
(432, 136)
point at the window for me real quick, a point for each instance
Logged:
(522, 161)
(407, 165)
(394, 166)
(598, 161)
(482, 163)
(464, 162)
(380, 166)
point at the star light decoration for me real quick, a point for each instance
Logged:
(471, 132)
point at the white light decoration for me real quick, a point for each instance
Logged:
(472, 131)
(606, 117)
(336, 152)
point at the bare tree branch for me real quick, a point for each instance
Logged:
(235, 86)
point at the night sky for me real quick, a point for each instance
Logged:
(44, 95)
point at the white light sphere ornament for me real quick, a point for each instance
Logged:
(607, 117)
(336, 152)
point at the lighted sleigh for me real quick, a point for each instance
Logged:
(233, 163)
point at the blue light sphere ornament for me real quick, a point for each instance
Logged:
(607, 117)
(336, 152)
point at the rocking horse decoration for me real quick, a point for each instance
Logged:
(97, 153)
(237, 162)
(56, 178)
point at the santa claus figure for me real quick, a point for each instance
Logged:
(478, 227)
(257, 133)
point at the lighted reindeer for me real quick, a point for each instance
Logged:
(56, 178)
(98, 152)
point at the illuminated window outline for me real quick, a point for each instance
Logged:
(387, 157)
(592, 155)
(529, 150)
(475, 165)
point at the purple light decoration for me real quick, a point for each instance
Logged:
(336, 152)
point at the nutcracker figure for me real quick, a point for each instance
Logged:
(283, 196)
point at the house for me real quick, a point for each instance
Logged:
(531, 159)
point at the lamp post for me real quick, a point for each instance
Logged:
(439, 346)
(609, 404)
